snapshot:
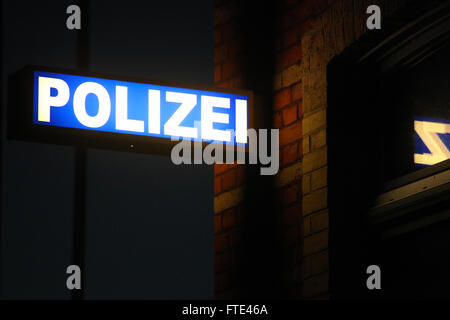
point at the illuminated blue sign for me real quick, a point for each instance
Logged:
(432, 141)
(123, 107)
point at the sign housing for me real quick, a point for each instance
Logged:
(122, 113)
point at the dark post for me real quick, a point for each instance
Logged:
(2, 112)
(79, 213)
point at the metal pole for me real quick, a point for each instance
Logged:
(3, 112)
(79, 214)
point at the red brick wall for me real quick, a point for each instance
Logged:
(287, 116)
(308, 33)
(227, 178)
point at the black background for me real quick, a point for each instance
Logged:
(149, 223)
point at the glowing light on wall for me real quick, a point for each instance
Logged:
(432, 141)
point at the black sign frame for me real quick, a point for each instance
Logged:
(20, 124)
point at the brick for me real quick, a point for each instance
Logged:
(282, 99)
(290, 278)
(306, 226)
(220, 242)
(220, 53)
(290, 154)
(288, 57)
(235, 46)
(229, 180)
(229, 31)
(314, 160)
(315, 201)
(297, 92)
(289, 3)
(277, 120)
(223, 281)
(224, 13)
(316, 285)
(303, 27)
(291, 215)
(291, 235)
(240, 212)
(290, 195)
(218, 73)
(229, 68)
(231, 294)
(298, 279)
(315, 264)
(290, 75)
(314, 41)
(220, 168)
(277, 81)
(318, 139)
(305, 144)
(289, 115)
(315, 243)
(319, 178)
(290, 134)
(217, 185)
(349, 31)
(314, 89)
(320, 262)
(229, 218)
(217, 223)
(329, 34)
(288, 174)
(300, 109)
(224, 84)
(286, 21)
(306, 184)
(236, 82)
(314, 121)
(300, 150)
(228, 199)
(292, 255)
(319, 221)
(304, 10)
(290, 37)
(240, 176)
(218, 36)
(235, 237)
(223, 261)
(322, 5)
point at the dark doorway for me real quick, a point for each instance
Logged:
(376, 89)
